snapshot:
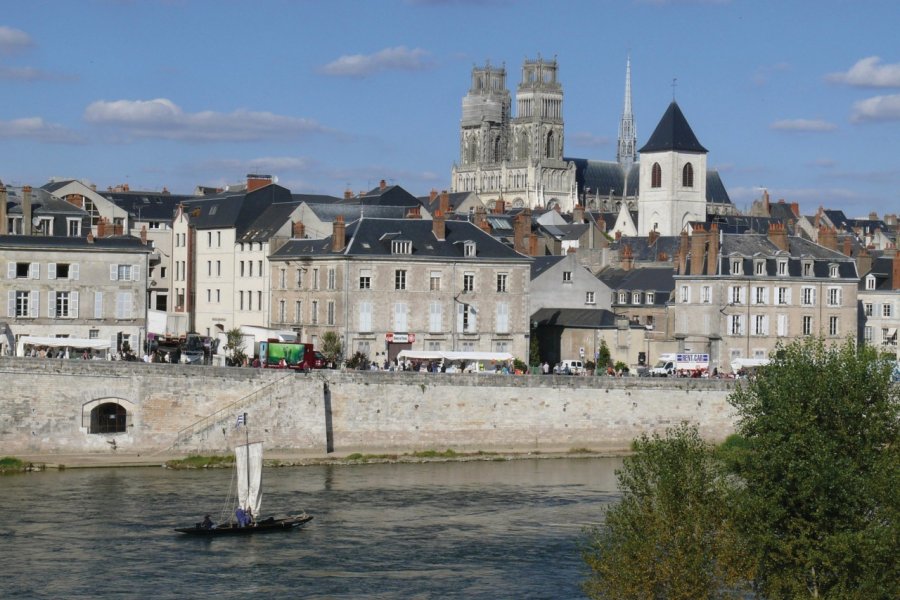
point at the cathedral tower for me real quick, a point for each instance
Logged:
(484, 129)
(626, 151)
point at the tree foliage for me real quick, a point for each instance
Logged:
(671, 535)
(819, 505)
(604, 357)
(331, 347)
(234, 346)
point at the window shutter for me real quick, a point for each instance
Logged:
(73, 305)
(435, 317)
(460, 309)
(34, 304)
(98, 305)
(10, 270)
(51, 304)
(73, 271)
(35, 270)
(502, 317)
(113, 272)
(11, 304)
(400, 316)
(473, 315)
(132, 306)
(135, 272)
(51, 270)
(120, 305)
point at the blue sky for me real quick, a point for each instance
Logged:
(799, 97)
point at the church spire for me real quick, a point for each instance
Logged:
(625, 154)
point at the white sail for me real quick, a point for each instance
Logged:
(249, 458)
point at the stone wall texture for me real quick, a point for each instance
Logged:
(45, 409)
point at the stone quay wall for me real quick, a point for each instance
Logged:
(46, 404)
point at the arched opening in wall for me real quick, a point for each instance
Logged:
(551, 144)
(107, 415)
(522, 146)
(656, 176)
(497, 150)
(687, 176)
(552, 204)
(518, 203)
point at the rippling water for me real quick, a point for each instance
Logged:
(435, 530)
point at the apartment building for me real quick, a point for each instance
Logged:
(879, 297)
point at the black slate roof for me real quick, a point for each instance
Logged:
(121, 243)
(455, 199)
(327, 212)
(883, 271)
(644, 251)
(374, 237)
(148, 206)
(235, 209)
(673, 134)
(391, 195)
(585, 318)
(541, 264)
(268, 222)
(42, 203)
(605, 177)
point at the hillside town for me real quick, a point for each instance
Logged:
(530, 253)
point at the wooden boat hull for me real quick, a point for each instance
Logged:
(266, 526)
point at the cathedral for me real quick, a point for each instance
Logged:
(519, 159)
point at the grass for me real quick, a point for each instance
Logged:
(201, 462)
(448, 453)
(580, 451)
(10, 464)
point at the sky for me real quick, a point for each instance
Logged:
(800, 98)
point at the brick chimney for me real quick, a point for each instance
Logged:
(348, 193)
(75, 200)
(256, 181)
(101, 227)
(578, 214)
(712, 250)
(26, 210)
(682, 253)
(432, 195)
(795, 208)
(339, 235)
(414, 212)
(3, 217)
(848, 246)
(533, 245)
(652, 237)
(499, 206)
(480, 216)
(778, 236)
(382, 185)
(698, 249)
(521, 228)
(873, 216)
(618, 235)
(627, 257)
(298, 230)
(439, 225)
(445, 202)
(766, 206)
(144, 234)
(828, 237)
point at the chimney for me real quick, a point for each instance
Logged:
(578, 214)
(828, 237)
(298, 230)
(432, 195)
(778, 236)
(895, 272)
(26, 210)
(618, 235)
(414, 212)
(848, 247)
(4, 221)
(256, 181)
(712, 250)
(480, 216)
(439, 225)
(698, 249)
(382, 185)
(682, 253)
(601, 224)
(499, 206)
(521, 228)
(795, 208)
(445, 202)
(144, 235)
(165, 191)
(348, 193)
(101, 227)
(652, 237)
(766, 206)
(90, 237)
(873, 216)
(532, 244)
(339, 235)
(627, 257)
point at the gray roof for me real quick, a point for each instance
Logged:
(374, 237)
(583, 318)
(566, 232)
(673, 134)
(43, 202)
(148, 206)
(235, 209)
(122, 243)
(455, 199)
(327, 212)
(608, 177)
(540, 264)
(644, 251)
(315, 198)
(268, 222)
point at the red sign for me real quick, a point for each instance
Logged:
(399, 338)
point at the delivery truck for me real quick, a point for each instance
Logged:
(680, 365)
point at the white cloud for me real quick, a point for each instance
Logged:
(868, 72)
(163, 119)
(399, 58)
(13, 40)
(35, 128)
(584, 139)
(765, 72)
(878, 108)
(268, 164)
(30, 74)
(803, 125)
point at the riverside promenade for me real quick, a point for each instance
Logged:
(93, 413)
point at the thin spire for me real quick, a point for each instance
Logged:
(625, 154)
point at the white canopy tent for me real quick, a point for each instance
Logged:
(474, 360)
(60, 342)
(747, 363)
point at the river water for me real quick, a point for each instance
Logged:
(492, 529)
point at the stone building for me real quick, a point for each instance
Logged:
(386, 285)
(879, 297)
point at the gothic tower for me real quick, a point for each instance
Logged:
(626, 153)
(484, 129)
(672, 177)
(537, 129)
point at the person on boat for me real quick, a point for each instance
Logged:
(242, 519)
(207, 523)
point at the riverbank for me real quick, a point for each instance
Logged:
(37, 462)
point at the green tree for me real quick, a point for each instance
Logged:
(671, 535)
(534, 350)
(604, 357)
(234, 346)
(819, 504)
(331, 347)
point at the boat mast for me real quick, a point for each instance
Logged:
(247, 450)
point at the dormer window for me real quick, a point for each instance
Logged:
(759, 267)
(623, 297)
(736, 266)
(635, 297)
(833, 271)
(807, 268)
(650, 297)
(567, 276)
(782, 267)
(401, 247)
(870, 282)
(469, 249)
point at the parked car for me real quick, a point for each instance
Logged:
(570, 367)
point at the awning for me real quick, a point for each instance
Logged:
(892, 332)
(57, 342)
(447, 355)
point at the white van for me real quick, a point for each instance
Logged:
(573, 367)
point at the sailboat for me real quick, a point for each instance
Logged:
(248, 473)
